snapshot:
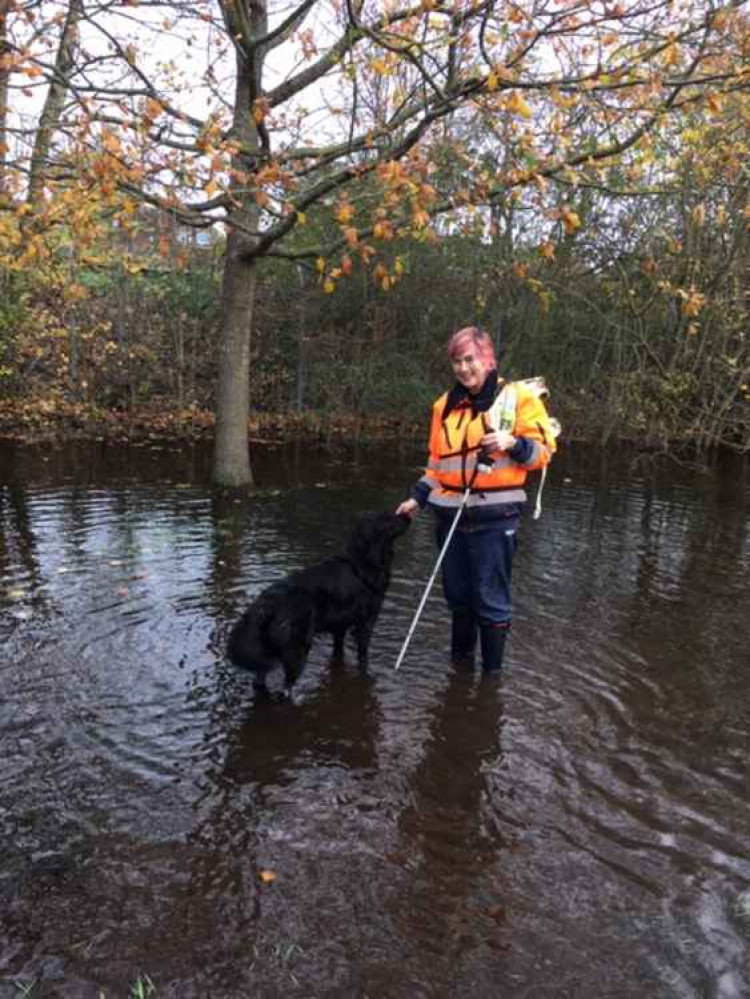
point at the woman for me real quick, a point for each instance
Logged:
(477, 566)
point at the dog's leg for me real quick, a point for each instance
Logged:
(362, 635)
(337, 655)
(259, 684)
(293, 663)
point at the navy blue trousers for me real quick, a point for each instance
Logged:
(477, 567)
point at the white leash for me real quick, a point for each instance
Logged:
(538, 505)
(426, 594)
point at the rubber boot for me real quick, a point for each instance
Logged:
(463, 638)
(493, 638)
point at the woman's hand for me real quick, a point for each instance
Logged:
(498, 440)
(409, 507)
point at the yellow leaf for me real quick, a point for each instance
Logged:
(329, 286)
(383, 230)
(547, 250)
(267, 876)
(320, 264)
(671, 55)
(571, 220)
(344, 212)
(518, 105)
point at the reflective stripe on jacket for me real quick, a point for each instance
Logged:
(454, 445)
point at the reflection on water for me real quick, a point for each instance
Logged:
(578, 829)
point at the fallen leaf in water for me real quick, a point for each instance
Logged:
(16, 594)
(122, 591)
(267, 876)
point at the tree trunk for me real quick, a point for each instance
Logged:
(231, 454)
(231, 464)
(4, 82)
(54, 104)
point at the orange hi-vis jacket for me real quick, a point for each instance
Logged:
(454, 445)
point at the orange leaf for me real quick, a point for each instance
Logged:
(547, 250)
(571, 220)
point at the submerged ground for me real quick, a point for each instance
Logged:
(580, 829)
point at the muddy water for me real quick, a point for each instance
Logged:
(579, 829)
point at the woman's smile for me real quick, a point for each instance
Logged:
(469, 370)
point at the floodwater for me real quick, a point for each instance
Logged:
(579, 829)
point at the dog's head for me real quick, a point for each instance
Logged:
(373, 536)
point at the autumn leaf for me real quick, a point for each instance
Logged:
(260, 110)
(267, 877)
(571, 220)
(547, 250)
(383, 230)
(693, 303)
(518, 105)
(344, 212)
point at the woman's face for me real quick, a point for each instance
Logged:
(469, 370)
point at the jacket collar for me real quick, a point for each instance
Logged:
(480, 403)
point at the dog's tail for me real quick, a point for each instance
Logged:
(247, 643)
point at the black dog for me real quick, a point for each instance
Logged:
(340, 593)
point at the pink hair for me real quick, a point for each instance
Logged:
(472, 336)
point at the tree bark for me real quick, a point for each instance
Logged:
(231, 462)
(231, 454)
(54, 103)
(4, 81)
